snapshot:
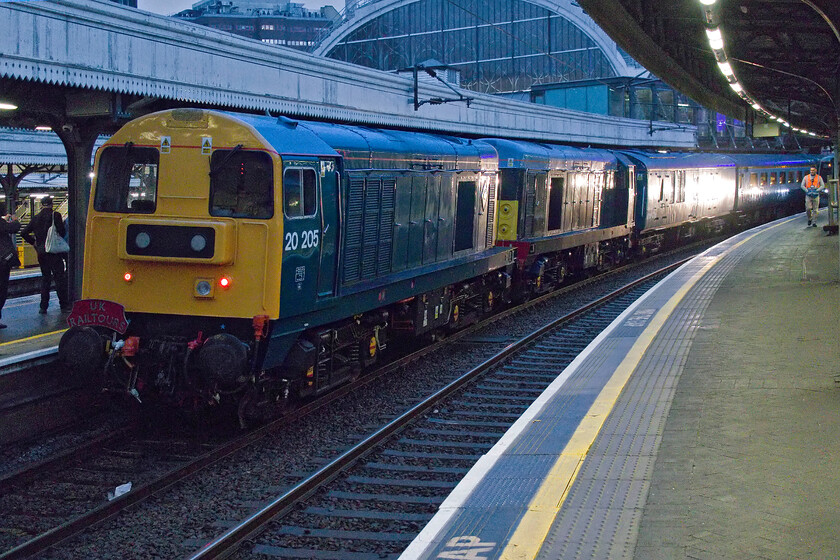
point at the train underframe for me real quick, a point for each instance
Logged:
(203, 363)
(545, 272)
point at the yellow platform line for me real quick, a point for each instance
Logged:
(34, 337)
(533, 528)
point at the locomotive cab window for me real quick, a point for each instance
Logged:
(241, 184)
(127, 180)
(299, 192)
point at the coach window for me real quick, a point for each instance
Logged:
(753, 179)
(127, 180)
(762, 180)
(773, 179)
(661, 189)
(680, 186)
(241, 184)
(798, 175)
(299, 192)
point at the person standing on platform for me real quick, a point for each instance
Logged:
(812, 184)
(52, 264)
(8, 256)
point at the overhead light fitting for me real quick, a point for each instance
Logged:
(7, 106)
(715, 38)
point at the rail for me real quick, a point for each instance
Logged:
(228, 543)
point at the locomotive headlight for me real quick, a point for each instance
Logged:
(203, 288)
(142, 240)
(198, 243)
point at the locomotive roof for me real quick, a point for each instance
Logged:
(285, 136)
(360, 144)
(518, 153)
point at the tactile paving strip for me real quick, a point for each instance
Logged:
(601, 514)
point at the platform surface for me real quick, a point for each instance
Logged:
(27, 332)
(713, 429)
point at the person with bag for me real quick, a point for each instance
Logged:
(45, 233)
(8, 256)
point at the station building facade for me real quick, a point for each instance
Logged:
(278, 23)
(497, 46)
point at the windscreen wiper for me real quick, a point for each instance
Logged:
(216, 168)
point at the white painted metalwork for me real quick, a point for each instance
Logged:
(26, 147)
(104, 45)
(566, 8)
(29, 147)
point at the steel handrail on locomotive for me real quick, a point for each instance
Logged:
(258, 259)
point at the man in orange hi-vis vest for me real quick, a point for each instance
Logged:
(812, 184)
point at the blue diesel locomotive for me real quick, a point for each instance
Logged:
(247, 260)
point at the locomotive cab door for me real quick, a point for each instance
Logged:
(302, 236)
(329, 204)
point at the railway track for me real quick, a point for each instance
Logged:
(371, 501)
(24, 283)
(36, 399)
(153, 465)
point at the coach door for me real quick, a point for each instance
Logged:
(302, 236)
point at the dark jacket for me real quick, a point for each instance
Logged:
(7, 247)
(39, 226)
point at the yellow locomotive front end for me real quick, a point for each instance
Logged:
(182, 218)
(182, 259)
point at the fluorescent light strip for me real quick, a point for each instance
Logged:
(715, 38)
(716, 43)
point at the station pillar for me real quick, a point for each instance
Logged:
(78, 140)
